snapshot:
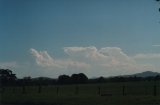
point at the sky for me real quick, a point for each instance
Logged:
(97, 37)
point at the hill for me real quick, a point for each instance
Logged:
(146, 74)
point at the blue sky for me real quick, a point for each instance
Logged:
(29, 28)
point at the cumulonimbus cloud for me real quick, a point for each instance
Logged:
(94, 62)
(45, 60)
(106, 59)
(107, 55)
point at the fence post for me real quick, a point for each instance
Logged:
(99, 90)
(23, 89)
(146, 90)
(57, 90)
(39, 89)
(123, 90)
(155, 90)
(3, 89)
(13, 89)
(76, 90)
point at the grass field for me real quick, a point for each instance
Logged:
(85, 94)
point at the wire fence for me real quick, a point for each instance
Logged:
(88, 89)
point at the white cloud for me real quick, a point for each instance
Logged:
(88, 53)
(45, 60)
(147, 56)
(96, 62)
(108, 55)
(106, 61)
(116, 54)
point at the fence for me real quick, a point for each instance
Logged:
(112, 89)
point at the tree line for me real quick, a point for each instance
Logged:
(7, 78)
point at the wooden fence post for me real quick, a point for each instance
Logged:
(99, 90)
(23, 89)
(39, 89)
(123, 90)
(57, 90)
(155, 90)
(76, 90)
(146, 90)
(13, 89)
(3, 89)
(155, 87)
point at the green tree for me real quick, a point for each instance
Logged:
(7, 77)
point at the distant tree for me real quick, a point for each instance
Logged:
(79, 78)
(27, 80)
(117, 79)
(64, 79)
(7, 77)
(43, 81)
(133, 78)
(156, 78)
(101, 80)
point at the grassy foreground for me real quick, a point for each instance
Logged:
(134, 93)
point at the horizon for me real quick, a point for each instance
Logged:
(98, 38)
(144, 74)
